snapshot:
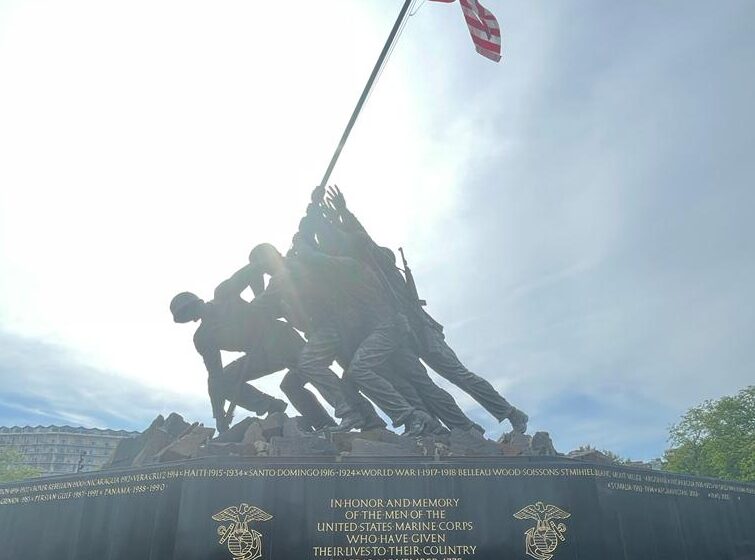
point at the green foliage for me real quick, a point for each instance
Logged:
(615, 458)
(11, 468)
(716, 438)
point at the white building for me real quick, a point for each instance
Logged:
(62, 449)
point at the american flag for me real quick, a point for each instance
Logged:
(483, 27)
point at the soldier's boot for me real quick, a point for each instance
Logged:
(351, 421)
(418, 423)
(432, 426)
(375, 423)
(276, 405)
(436, 428)
(371, 421)
(518, 420)
(304, 425)
(475, 426)
(441, 431)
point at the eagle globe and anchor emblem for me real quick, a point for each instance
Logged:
(243, 543)
(542, 539)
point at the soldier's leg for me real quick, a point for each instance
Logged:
(439, 401)
(244, 395)
(313, 365)
(365, 413)
(255, 364)
(269, 358)
(305, 402)
(289, 350)
(254, 400)
(392, 371)
(443, 360)
(395, 377)
(372, 354)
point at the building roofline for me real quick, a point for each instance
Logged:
(67, 428)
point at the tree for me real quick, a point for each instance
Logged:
(610, 455)
(716, 438)
(11, 467)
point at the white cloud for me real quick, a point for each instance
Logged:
(576, 216)
(147, 147)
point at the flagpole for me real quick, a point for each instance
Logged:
(365, 92)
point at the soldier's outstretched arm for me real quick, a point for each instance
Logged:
(306, 253)
(240, 281)
(349, 223)
(269, 301)
(336, 199)
(333, 238)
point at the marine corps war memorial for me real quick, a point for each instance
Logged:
(392, 468)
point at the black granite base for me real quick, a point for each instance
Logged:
(399, 508)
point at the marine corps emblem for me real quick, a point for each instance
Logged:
(244, 543)
(542, 539)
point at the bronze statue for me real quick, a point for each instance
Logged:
(230, 323)
(350, 237)
(404, 368)
(339, 304)
(354, 306)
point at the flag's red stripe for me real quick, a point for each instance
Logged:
(482, 34)
(488, 18)
(483, 28)
(494, 56)
(495, 47)
(477, 25)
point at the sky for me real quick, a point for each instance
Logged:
(579, 216)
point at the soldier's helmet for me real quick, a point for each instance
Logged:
(263, 256)
(388, 256)
(183, 307)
